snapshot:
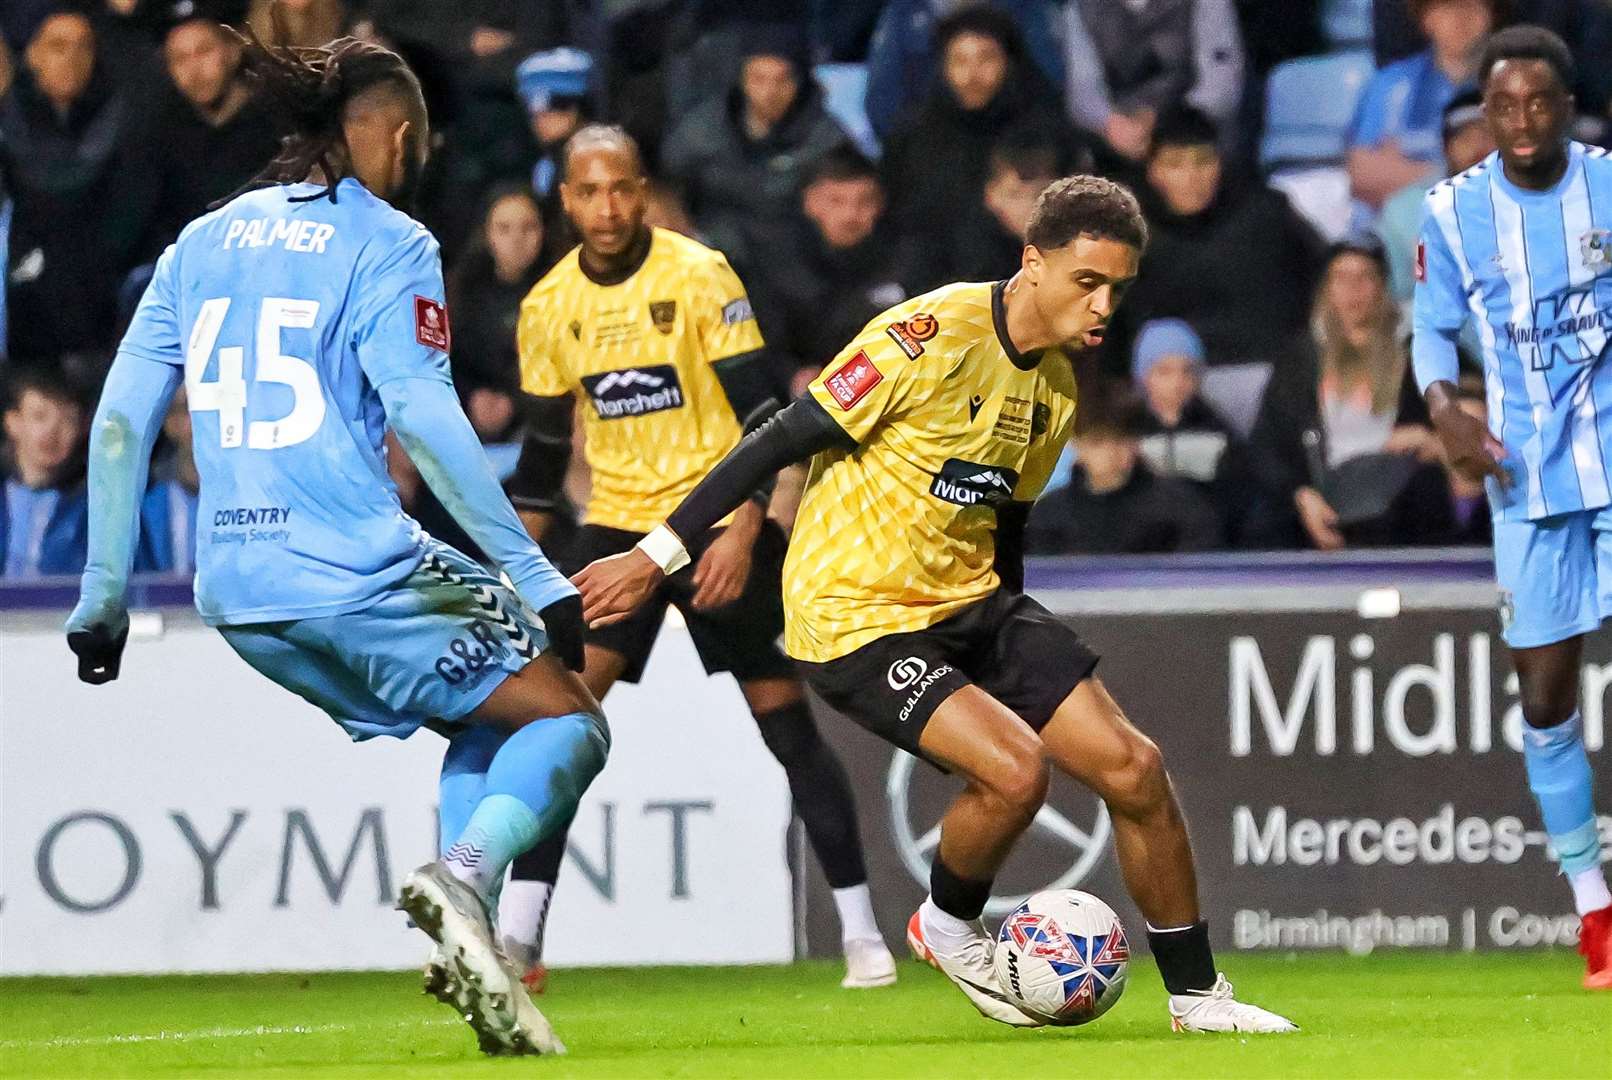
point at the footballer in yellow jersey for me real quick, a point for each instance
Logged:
(652, 332)
(929, 437)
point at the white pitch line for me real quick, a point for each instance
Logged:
(202, 1034)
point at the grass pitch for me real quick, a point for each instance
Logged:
(1404, 1015)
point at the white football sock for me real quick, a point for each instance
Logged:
(1589, 890)
(944, 933)
(524, 911)
(855, 905)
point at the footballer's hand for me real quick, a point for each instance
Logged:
(1469, 447)
(562, 622)
(612, 588)
(97, 639)
(723, 570)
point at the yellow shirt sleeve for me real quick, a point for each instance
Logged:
(722, 315)
(540, 371)
(871, 379)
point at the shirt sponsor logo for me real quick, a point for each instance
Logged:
(967, 484)
(634, 391)
(911, 334)
(737, 311)
(1567, 326)
(906, 671)
(920, 687)
(663, 313)
(252, 515)
(851, 381)
(431, 323)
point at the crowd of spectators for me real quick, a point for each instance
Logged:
(1253, 389)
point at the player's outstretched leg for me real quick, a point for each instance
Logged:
(533, 784)
(1005, 769)
(1090, 739)
(821, 790)
(460, 787)
(1559, 777)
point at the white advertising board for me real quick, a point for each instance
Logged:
(193, 816)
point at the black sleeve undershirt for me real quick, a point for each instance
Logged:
(791, 435)
(1011, 519)
(539, 479)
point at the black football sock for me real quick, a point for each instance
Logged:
(821, 790)
(542, 863)
(1184, 957)
(957, 896)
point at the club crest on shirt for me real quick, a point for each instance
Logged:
(663, 313)
(910, 335)
(1595, 247)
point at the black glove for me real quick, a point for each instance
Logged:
(562, 621)
(100, 653)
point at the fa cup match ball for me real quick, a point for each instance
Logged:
(1062, 954)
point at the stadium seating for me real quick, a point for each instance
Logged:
(1309, 104)
(845, 87)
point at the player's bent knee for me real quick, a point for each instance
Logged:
(1020, 782)
(1139, 784)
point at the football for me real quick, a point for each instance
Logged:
(1063, 955)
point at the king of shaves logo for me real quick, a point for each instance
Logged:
(966, 484)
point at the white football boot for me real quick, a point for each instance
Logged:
(868, 963)
(1216, 1009)
(467, 972)
(970, 968)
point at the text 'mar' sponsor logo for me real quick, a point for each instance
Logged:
(634, 391)
(967, 484)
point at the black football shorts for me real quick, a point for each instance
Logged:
(1007, 644)
(740, 638)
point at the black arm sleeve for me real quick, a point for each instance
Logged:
(750, 392)
(539, 479)
(792, 435)
(1011, 519)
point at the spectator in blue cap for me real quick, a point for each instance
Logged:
(554, 87)
(1182, 436)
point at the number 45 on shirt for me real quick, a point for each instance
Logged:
(226, 395)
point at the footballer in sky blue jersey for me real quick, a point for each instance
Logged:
(1521, 243)
(304, 319)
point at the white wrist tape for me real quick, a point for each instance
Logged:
(665, 550)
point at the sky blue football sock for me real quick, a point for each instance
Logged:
(1559, 776)
(533, 786)
(464, 780)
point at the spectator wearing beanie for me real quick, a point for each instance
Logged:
(739, 160)
(1182, 437)
(938, 158)
(81, 202)
(1230, 256)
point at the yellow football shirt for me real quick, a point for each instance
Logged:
(639, 354)
(898, 534)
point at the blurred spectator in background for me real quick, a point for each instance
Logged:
(1466, 142)
(843, 267)
(1113, 503)
(210, 135)
(485, 289)
(1130, 62)
(1231, 257)
(168, 512)
(554, 87)
(901, 57)
(45, 518)
(937, 159)
(302, 23)
(739, 159)
(1182, 437)
(1343, 428)
(1394, 139)
(81, 203)
(478, 42)
(988, 246)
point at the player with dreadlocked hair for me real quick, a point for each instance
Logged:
(305, 317)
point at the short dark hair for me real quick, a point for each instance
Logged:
(844, 162)
(590, 136)
(1528, 42)
(45, 381)
(1085, 206)
(984, 20)
(1028, 156)
(1182, 125)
